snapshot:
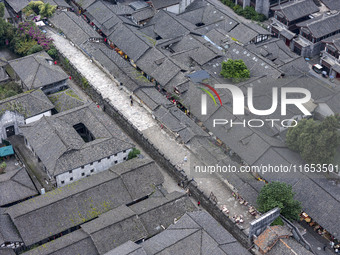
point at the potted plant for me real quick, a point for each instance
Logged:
(2, 167)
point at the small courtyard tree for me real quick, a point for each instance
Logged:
(40, 8)
(235, 70)
(279, 194)
(315, 141)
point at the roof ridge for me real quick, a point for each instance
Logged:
(105, 125)
(202, 229)
(61, 139)
(19, 170)
(62, 198)
(323, 17)
(41, 99)
(36, 73)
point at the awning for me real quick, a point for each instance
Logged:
(6, 151)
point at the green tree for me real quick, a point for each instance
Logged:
(47, 10)
(34, 49)
(235, 70)
(315, 141)
(2, 10)
(279, 194)
(22, 47)
(7, 32)
(38, 7)
(53, 53)
(134, 153)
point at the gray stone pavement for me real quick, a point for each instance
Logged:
(143, 120)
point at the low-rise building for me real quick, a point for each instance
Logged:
(39, 71)
(195, 233)
(16, 186)
(77, 143)
(22, 109)
(63, 210)
(125, 223)
(313, 32)
(287, 15)
(330, 59)
(174, 6)
(279, 240)
(9, 236)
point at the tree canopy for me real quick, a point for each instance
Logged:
(2, 10)
(40, 8)
(315, 141)
(279, 194)
(235, 70)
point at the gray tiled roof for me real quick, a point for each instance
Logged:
(114, 228)
(121, 224)
(158, 212)
(257, 65)
(73, 26)
(335, 40)
(85, 3)
(273, 50)
(28, 104)
(286, 246)
(160, 4)
(128, 248)
(36, 71)
(128, 41)
(7, 251)
(15, 185)
(119, 68)
(77, 242)
(322, 26)
(60, 3)
(161, 27)
(243, 34)
(194, 233)
(8, 232)
(209, 17)
(60, 147)
(119, 8)
(195, 48)
(297, 9)
(83, 200)
(331, 4)
(158, 66)
(143, 14)
(152, 98)
(99, 12)
(65, 100)
(17, 5)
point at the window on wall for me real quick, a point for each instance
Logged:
(116, 161)
(71, 179)
(70, 172)
(84, 133)
(124, 151)
(108, 157)
(92, 170)
(124, 158)
(62, 182)
(91, 164)
(99, 160)
(82, 167)
(82, 174)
